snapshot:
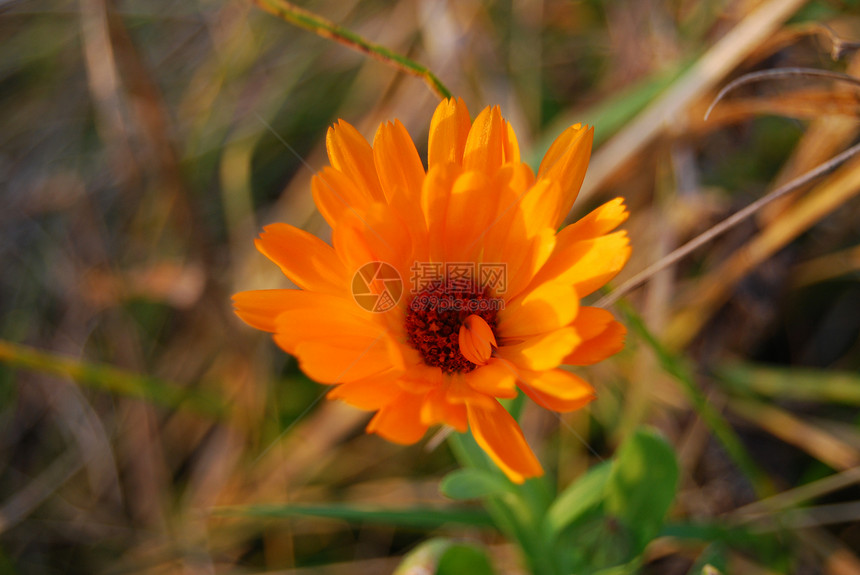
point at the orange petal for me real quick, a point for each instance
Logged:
(485, 145)
(507, 229)
(566, 162)
(261, 308)
(471, 205)
(540, 352)
(591, 322)
(400, 420)
(527, 259)
(524, 210)
(546, 308)
(587, 264)
(556, 389)
(497, 378)
(607, 343)
(369, 394)
(605, 258)
(341, 359)
(541, 204)
(436, 409)
(511, 146)
(499, 435)
(435, 195)
(341, 318)
(599, 222)
(476, 340)
(421, 378)
(401, 175)
(336, 194)
(515, 177)
(378, 235)
(304, 258)
(449, 129)
(397, 162)
(458, 391)
(350, 153)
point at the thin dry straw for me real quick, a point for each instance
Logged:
(778, 74)
(726, 225)
(839, 47)
(751, 209)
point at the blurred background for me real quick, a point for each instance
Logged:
(143, 145)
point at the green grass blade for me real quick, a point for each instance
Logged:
(111, 379)
(610, 115)
(674, 366)
(302, 18)
(820, 385)
(416, 518)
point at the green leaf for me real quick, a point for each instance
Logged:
(642, 484)
(462, 558)
(630, 568)
(580, 496)
(517, 514)
(735, 535)
(770, 548)
(712, 561)
(473, 483)
(444, 557)
(419, 518)
(424, 558)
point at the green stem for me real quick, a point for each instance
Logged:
(719, 426)
(519, 514)
(300, 17)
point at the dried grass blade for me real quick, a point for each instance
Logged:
(716, 287)
(791, 429)
(779, 74)
(726, 225)
(712, 67)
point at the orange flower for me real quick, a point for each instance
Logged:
(447, 289)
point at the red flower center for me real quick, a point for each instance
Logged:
(434, 320)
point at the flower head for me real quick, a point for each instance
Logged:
(447, 289)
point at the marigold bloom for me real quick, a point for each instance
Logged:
(492, 300)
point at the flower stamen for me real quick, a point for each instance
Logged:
(439, 318)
